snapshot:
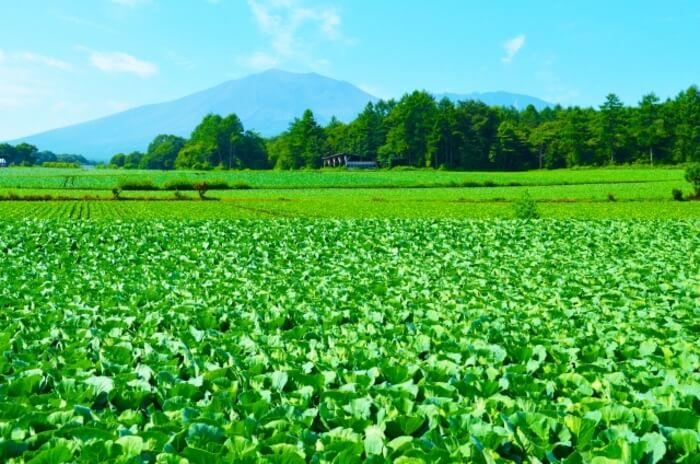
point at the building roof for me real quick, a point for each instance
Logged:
(341, 155)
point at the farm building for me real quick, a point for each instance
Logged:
(349, 161)
(3, 163)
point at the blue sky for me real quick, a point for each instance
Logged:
(64, 61)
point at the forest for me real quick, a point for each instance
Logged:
(25, 154)
(420, 131)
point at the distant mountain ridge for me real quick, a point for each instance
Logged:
(266, 102)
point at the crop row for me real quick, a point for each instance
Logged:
(343, 341)
(106, 179)
(314, 206)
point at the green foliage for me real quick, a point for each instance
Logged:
(241, 185)
(134, 183)
(162, 152)
(301, 146)
(510, 151)
(218, 143)
(677, 194)
(417, 131)
(526, 208)
(692, 175)
(409, 127)
(178, 184)
(60, 165)
(196, 155)
(188, 184)
(349, 341)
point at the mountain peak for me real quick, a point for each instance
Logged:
(265, 102)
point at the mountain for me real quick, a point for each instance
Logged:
(507, 99)
(265, 102)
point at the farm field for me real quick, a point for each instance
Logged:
(341, 317)
(349, 340)
(658, 190)
(345, 208)
(106, 179)
(583, 194)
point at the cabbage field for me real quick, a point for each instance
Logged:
(354, 340)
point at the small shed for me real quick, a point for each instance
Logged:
(349, 161)
(3, 163)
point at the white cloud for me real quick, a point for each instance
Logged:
(512, 47)
(45, 60)
(285, 23)
(120, 62)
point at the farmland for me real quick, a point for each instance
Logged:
(640, 193)
(105, 179)
(341, 317)
(349, 340)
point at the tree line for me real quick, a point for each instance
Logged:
(217, 142)
(25, 154)
(420, 131)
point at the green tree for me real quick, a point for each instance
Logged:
(367, 133)
(544, 140)
(25, 154)
(216, 139)
(279, 152)
(443, 141)
(510, 152)
(576, 140)
(229, 137)
(302, 145)
(410, 124)
(118, 160)
(8, 153)
(692, 175)
(476, 124)
(686, 110)
(45, 156)
(336, 135)
(196, 155)
(133, 160)
(307, 141)
(650, 127)
(162, 152)
(251, 152)
(611, 129)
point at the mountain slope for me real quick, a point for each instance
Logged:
(265, 102)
